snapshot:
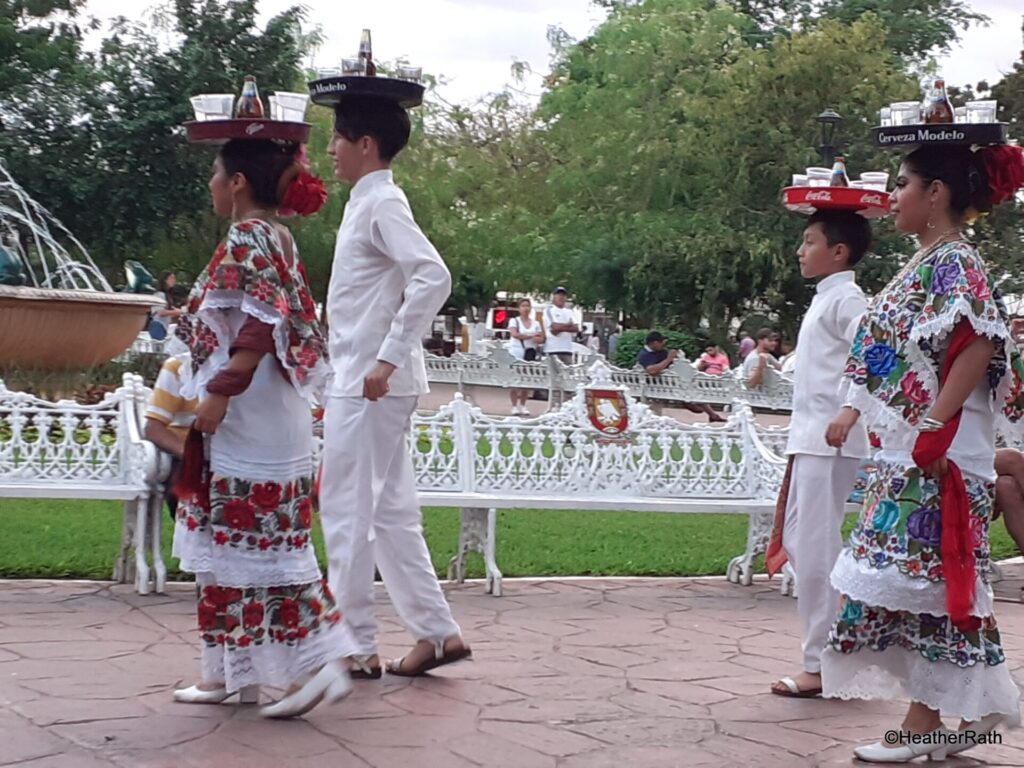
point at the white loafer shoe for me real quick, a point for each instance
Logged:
(250, 694)
(984, 726)
(935, 748)
(331, 684)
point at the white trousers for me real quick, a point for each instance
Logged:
(812, 538)
(371, 518)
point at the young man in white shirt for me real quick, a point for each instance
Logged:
(560, 327)
(388, 282)
(825, 450)
(760, 358)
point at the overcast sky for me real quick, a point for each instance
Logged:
(473, 43)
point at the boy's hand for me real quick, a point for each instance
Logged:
(375, 386)
(840, 427)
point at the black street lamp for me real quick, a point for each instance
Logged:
(828, 120)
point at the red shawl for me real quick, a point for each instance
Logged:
(958, 567)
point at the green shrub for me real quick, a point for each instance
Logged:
(631, 342)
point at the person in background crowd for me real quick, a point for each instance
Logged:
(594, 342)
(714, 361)
(762, 357)
(168, 419)
(613, 344)
(559, 327)
(526, 339)
(747, 345)
(655, 359)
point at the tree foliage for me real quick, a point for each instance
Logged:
(647, 179)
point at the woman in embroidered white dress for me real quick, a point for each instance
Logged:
(935, 373)
(266, 617)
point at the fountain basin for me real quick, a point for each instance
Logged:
(45, 329)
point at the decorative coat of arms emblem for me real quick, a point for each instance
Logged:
(608, 411)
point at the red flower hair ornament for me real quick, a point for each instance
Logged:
(304, 193)
(1004, 165)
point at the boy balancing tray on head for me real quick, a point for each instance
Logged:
(824, 450)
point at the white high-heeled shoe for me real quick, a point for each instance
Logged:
(250, 694)
(986, 725)
(330, 685)
(879, 752)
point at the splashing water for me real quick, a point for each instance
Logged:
(34, 236)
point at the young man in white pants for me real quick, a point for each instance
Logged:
(387, 285)
(825, 450)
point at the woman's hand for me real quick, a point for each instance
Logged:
(840, 427)
(937, 468)
(211, 412)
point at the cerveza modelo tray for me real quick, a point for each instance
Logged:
(945, 134)
(331, 90)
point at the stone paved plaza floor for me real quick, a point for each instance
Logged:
(585, 673)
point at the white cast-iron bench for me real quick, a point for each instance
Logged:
(562, 460)
(65, 450)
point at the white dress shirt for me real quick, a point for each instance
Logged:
(822, 348)
(388, 283)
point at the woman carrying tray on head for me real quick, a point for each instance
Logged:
(244, 525)
(934, 372)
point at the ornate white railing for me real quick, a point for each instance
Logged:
(680, 383)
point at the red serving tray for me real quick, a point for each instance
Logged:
(869, 203)
(223, 131)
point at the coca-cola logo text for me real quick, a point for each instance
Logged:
(823, 196)
(254, 128)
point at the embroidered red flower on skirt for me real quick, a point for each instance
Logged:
(239, 515)
(267, 495)
(288, 613)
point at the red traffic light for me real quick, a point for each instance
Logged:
(500, 318)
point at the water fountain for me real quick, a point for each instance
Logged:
(57, 310)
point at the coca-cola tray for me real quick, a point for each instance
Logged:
(331, 90)
(943, 134)
(869, 203)
(223, 131)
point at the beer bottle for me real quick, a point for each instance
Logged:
(839, 177)
(249, 104)
(366, 54)
(937, 107)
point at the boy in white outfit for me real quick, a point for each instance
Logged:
(824, 450)
(387, 285)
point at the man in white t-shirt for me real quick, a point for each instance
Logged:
(560, 327)
(760, 358)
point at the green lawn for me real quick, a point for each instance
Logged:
(78, 539)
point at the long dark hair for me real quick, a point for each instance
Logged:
(166, 289)
(263, 163)
(960, 169)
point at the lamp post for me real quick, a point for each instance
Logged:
(828, 120)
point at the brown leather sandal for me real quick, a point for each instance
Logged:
(441, 658)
